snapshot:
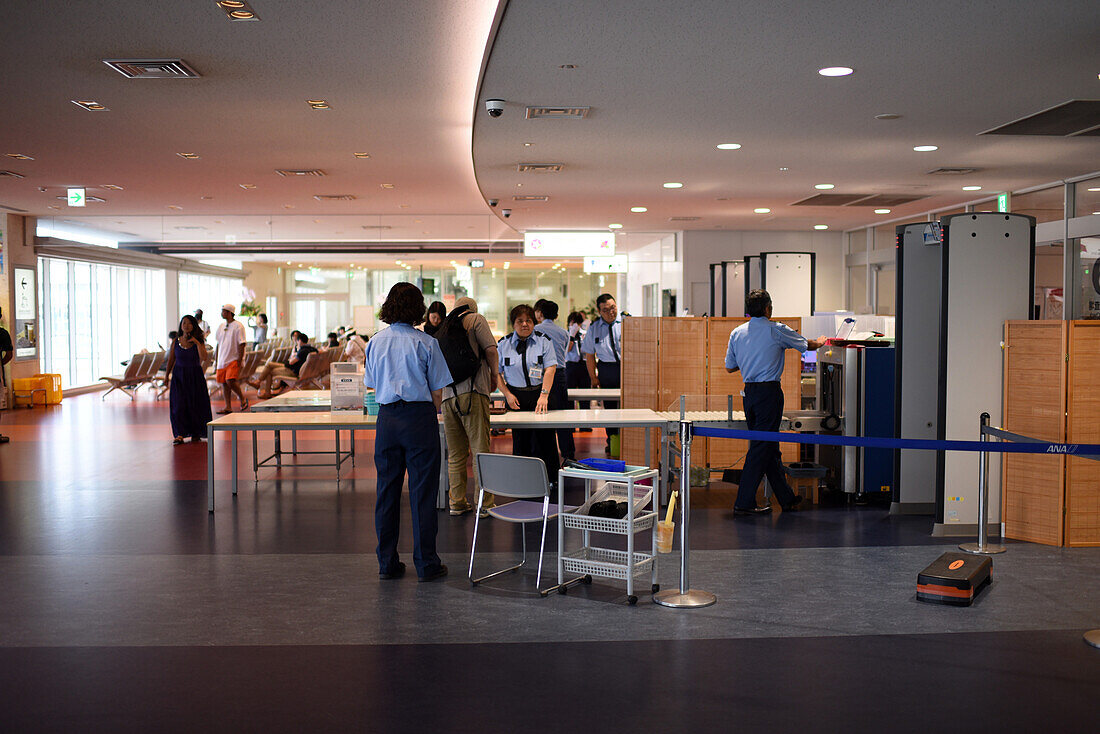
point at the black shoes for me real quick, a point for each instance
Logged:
(437, 574)
(792, 506)
(752, 510)
(397, 572)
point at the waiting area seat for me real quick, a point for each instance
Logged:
(141, 370)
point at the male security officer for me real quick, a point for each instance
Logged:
(545, 313)
(756, 348)
(602, 347)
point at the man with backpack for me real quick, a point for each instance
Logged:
(471, 352)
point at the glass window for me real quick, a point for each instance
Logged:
(1088, 277)
(210, 293)
(1046, 205)
(1088, 197)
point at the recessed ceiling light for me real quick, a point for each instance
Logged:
(403, 206)
(784, 169)
(247, 186)
(189, 156)
(238, 10)
(288, 206)
(762, 210)
(361, 155)
(888, 116)
(639, 209)
(173, 206)
(19, 156)
(882, 211)
(527, 145)
(835, 71)
(673, 185)
(388, 186)
(728, 146)
(89, 104)
(206, 198)
(568, 66)
(1095, 188)
(925, 148)
(972, 188)
(318, 104)
(614, 226)
(824, 187)
(821, 226)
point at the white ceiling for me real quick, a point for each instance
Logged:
(665, 81)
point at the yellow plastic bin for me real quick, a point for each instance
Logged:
(33, 390)
(52, 383)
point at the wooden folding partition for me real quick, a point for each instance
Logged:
(1083, 475)
(1051, 393)
(640, 375)
(683, 369)
(726, 452)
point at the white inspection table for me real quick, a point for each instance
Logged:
(307, 401)
(234, 423)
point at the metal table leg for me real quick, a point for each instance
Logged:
(352, 449)
(233, 438)
(210, 468)
(279, 449)
(255, 461)
(337, 432)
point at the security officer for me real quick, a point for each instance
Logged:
(407, 370)
(528, 363)
(602, 348)
(545, 313)
(756, 349)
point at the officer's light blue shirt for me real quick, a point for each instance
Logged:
(538, 356)
(598, 340)
(557, 335)
(757, 348)
(403, 363)
(575, 354)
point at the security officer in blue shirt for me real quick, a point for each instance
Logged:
(602, 349)
(545, 313)
(408, 372)
(528, 363)
(756, 349)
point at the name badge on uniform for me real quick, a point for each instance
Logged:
(535, 373)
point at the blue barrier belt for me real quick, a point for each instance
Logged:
(1084, 450)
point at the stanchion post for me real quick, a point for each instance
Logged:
(983, 547)
(685, 597)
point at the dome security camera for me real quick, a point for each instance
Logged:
(506, 212)
(493, 202)
(495, 107)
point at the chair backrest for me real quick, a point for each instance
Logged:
(133, 366)
(312, 368)
(154, 364)
(505, 475)
(250, 363)
(280, 355)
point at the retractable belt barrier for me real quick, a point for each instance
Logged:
(1025, 445)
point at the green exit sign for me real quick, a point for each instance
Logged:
(1002, 202)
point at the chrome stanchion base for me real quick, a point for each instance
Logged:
(990, 549)
(1092, 637)
(690, 599)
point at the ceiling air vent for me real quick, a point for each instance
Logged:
(1076, 117)
(531, 197)
(884, 200)
(559, 113)
(152, 68)
(11, 174)
(292, 172)
(539, 167)
(334, 197)
(683, 219)
(831, 200)
(375, 226)
(951, 171)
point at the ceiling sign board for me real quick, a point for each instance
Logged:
(568, 244)
(477, 263)
(76, 197)
(613, 264)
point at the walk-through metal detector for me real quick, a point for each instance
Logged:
(727, 288)
(958, 281)
(789, 278)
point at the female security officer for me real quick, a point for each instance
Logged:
(527, 363)
(407, 370)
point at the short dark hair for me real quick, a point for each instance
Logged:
(547, 308)
(757, 302)
(263, 318)
(604, 298)
(302, 338)
(404, 305)
(438, 307)
(575, 317)
(521, 310)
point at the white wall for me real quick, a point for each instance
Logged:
(700, 249)
(656, 262)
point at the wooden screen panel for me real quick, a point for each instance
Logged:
(1034, 405)
(726, 452)
(792, 388)
(1083, 475)
(639, 380)
(683, 368)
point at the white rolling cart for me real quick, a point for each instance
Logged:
(641, 515)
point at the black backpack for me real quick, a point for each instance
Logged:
(462, 361)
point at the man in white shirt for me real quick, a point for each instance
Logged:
(230, 340)
(203, 326)
(355, 348)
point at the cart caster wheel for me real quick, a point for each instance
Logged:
(632, 600)
(656, 588)
(587, 578)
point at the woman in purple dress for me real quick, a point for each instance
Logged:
(188, 399)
